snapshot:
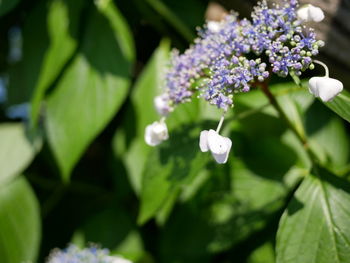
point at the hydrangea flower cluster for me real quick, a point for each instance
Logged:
(92, 254)
(233, 55)
(217, 66)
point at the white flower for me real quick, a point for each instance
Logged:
(218, 145)
(309, 13)
(324, 87)
(161, 103)
(156, 132)
(214, 26)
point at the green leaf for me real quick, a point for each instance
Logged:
(239, 198)
(7, 5)
(16, 150)
(292, 141)
(295, 78)
(148, 85)
(224, 212)
(192, 16)
(185, 237)
(19, 222)
(263, 254)
(56, 24)
(170, 167)
(92, 89)
(113, 229)
(62, 26)
(293, 99)
(177, 19)
(315, 226)
(341, 105)
(292, 113)
(327, 136)
(243, 196)
(238, 212)
(122, 31)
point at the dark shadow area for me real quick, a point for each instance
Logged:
(244, 7)
(182, 151)
(294, 206)
(335, 181)
(185, 237)
(261, 149)
(269, 157)
(108, 227)
(317, 117)
(335, 29)
(99, 188)
(268, 125)
(33, 51)
(36, 42)
(240, 252)
(104, 53)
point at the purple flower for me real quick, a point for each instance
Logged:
(217, 64)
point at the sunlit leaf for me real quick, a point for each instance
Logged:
(62, 25)
(263, 254)
(315, 226)
(16, 150)
(341, 105)
(92, 89)
(19, 222)
(292, 113)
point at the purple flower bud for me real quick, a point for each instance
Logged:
(219, 56)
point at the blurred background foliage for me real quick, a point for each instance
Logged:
(77, 84)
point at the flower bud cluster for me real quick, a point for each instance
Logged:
(92, 254)
(230, 76)
(217, 64)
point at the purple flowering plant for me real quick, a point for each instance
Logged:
(228, 59)
(233, 56)
(249, 131)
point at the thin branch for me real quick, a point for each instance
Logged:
(301, 138)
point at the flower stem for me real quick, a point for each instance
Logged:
(174, 20)
(220, 123)
(323, 65)
(278, 108)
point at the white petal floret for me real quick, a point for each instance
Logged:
(325, 88)
(218, 145)
(203, 141)
(161, 103)
(308, 13)
(156, 133)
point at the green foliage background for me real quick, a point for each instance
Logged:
(75, 168)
